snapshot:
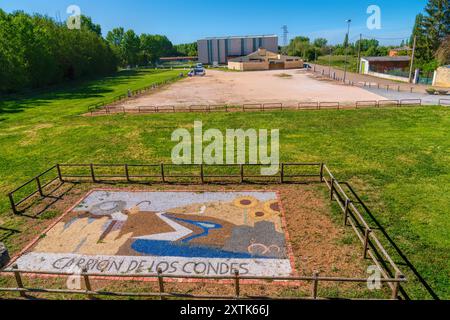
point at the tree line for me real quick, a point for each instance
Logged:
(36, 51)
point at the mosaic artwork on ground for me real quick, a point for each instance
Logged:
(181, 233)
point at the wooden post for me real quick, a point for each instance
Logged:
(161, 284)
(19, 281)
(347, 205)
(39, 186)
(237, 287)
(127, 173)
(13, 205)
(396, 288)
(332, 189)
(366, 242)
(282, 174)
(163, 177)
(87, 284)
(92, 173)
(321, 172)
(315, 285)
(202, 174)
(58, 169)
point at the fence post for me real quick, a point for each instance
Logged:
(58, 169)
(366, 242)
(398, 276)
(237, 287)
(315, 285)
(13, 205)
(347, 205)
(321, 172)
(242, 173)
(282, 174)
(127, 173)
(163, 177)
(39, 186)
(161, 283)
(202, 174)
(332, 189)
(87, 284)
(92, 173)
(19, 281)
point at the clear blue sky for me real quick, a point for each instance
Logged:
(189, 20)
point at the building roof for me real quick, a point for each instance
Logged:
(241, 37)
(388, 59)
(263, 54)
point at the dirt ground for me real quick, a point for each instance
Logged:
(318, 243)
(237, 88)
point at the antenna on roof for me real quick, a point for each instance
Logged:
(285, 35)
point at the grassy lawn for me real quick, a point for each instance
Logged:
(399, 159)
(339, 62)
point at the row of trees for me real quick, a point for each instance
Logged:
(36, 51)
(432, 32)
(311, 50)
(142, 50)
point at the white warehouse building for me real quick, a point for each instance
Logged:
(219, 50)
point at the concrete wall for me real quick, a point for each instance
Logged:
(387, 76)
(214, 50)
(248, 66)
(203, 51)
(442, 77)
(293, 64)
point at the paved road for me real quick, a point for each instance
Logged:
(361, 78)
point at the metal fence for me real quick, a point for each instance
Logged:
(306, 105)
(164, 173)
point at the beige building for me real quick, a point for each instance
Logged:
(263, 59)
(442, 77)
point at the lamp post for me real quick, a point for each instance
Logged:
(349, 21)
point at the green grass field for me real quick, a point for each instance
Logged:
(399, 159)
(339, 62)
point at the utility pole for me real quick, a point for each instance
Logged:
(329, 61)
(359, 53)
(346, 49)
(412, 60)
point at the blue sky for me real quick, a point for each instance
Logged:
(187, 21)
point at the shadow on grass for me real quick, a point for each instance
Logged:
(76, 90)
(406, 262)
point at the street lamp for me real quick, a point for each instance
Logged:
(349, 21)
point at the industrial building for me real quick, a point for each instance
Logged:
(220, 50)
(263, 59)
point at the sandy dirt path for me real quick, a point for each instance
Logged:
(236, 88)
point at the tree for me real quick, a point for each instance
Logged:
(430, 30)
(443, 53)
(131, 47)
(320, 42)
(36, 51)
(186, 49)
(87, 24)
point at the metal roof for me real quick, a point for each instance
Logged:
(388, 59)
(241, 37)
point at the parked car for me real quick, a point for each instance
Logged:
(307, 66)
(197, 72)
